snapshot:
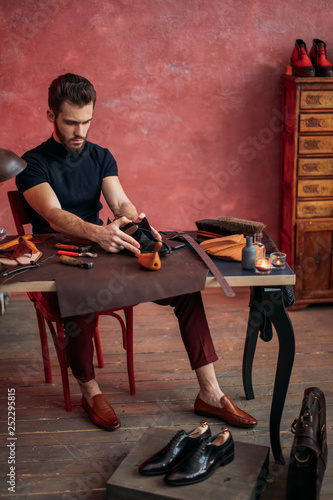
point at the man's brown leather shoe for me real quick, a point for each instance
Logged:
(101, 413)
(229, 412)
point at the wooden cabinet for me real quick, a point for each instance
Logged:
(306, 186)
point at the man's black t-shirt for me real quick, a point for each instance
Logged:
(75, 178)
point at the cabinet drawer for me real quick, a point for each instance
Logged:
(316, 122)
(315, 144)
(314, 188)
(313, 209)
(316, 99)
(315, 166)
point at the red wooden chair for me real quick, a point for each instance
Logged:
(54, 323)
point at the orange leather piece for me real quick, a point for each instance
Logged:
(226, 247)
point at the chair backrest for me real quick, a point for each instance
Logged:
(20, 216)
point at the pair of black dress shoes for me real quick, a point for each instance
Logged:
(191, 457)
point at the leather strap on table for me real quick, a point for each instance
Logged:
(211, 266)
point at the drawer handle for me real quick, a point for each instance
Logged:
(312, 122)
(311, 145)
(313, 99)
(311, 189)
(310, 167)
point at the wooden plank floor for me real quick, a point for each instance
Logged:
(61, 455)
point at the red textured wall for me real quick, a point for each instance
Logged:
(188, 94)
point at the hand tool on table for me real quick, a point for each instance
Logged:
(18, 269)
(73, 248)
(70, 261)
(77, 254)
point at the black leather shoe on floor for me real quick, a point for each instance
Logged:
(202, 462)
(179, 446)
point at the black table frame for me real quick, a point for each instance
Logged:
(267, 308)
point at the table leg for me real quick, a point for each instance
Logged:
(285, 333)
(254, 321)
(269, 302)
(257, 322)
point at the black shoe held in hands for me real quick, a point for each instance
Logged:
(173, 453)
(143, 234)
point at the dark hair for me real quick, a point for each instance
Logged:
(72, 88)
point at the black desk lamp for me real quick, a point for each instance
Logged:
(10, 166)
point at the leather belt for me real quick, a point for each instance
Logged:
(211, 266)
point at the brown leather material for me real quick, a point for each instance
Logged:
(225, 247)
(101, 413)
(26, 247)
(116, 280)
(22, 250)
(11, 242)
(229, 412)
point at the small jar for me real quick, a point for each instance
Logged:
(258, 245)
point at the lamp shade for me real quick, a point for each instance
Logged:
(10, 164)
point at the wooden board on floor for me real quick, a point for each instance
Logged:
(244, 478)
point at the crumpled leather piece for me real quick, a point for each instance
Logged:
(226, 247)
(24, 250)
(9, 245)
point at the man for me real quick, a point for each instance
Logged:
(62, 185)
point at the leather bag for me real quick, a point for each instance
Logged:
(308, 457)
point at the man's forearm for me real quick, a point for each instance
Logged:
(110, 237)
(128, 210)
(70, 224)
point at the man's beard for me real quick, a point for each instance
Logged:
(68, 144)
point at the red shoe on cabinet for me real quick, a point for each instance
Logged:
(300, 61)
(319, 59)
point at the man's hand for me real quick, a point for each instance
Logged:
(113, 239)
(156, 233)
